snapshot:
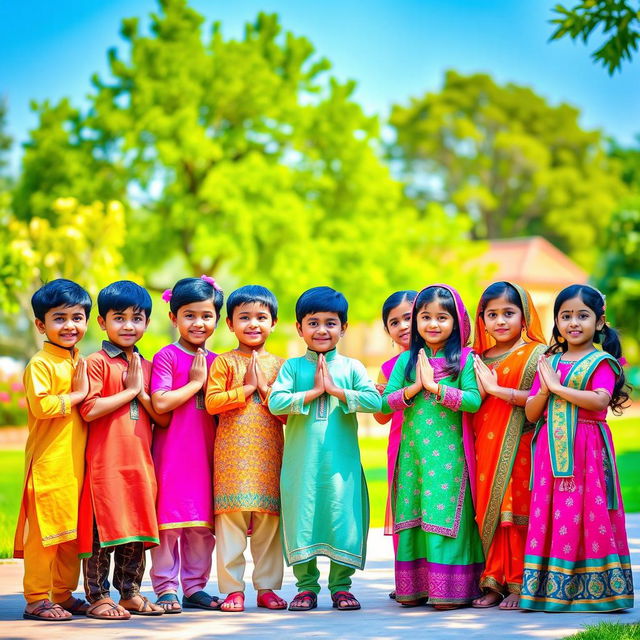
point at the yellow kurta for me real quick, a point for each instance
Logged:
(54, 453)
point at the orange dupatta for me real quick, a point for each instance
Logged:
(502, 446)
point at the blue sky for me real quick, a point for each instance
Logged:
(393, 49)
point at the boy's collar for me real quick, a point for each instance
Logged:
(62, 352)
(328, 355)
(114, 351)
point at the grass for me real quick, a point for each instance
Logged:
(626, 432)
(608, 631)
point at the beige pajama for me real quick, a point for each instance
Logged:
(266, 550)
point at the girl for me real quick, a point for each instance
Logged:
(509, 342)
(396, 318)
(183, 452)
(576, 554)
(439, 554)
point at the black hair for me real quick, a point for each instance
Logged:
(59, 293)
(607, 336)
(395, 300)
(252, 293)
(452, 348)
(190, 290)
(499, 290)
(121, 295)
(322, 299)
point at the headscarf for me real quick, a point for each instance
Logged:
(532, 329)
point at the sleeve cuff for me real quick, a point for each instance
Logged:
(451, 397)
(65, 404)
(298, 406)
(396, 400)
(352, 405)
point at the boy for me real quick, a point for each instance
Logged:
(55, 382)
(117, 513)
(325, 506)
(247, 452)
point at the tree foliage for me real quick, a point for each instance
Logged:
(241, 158)
(518, 165)
(617, 20)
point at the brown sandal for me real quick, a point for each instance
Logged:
(103, 615)
(145, 609)
(46, 605)
(299, 601)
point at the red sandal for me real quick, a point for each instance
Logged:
(234, 598)
(299, 602)
(344, 596)
(270, 600)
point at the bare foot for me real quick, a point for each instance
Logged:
(511, 602)
(46, 609)
(489, 599)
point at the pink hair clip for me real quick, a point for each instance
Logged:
(166, 296)
(623, 361)
(211, 281)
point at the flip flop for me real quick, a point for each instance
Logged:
(111, 605)
(169, 599)
(144, 609)
(270, 600)
(46, 605)
(342, 596)
(488, 606)
(200, 600)
(300, 598)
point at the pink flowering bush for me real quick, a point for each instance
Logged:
(13, 404)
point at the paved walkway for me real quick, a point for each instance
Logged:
(380, 617)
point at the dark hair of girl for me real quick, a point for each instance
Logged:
(607, 336)
(395, 300)
(452, 348)
(499, 290)
(190, 290)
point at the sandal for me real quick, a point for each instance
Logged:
(270, 600)
(234, 598)
(507, 602)
(146, 608)
(46, 605)
(167, 600)
(200, 600)
(79, 607)
(413, 603)
(343, 596)
(392, 595)
(479, 605)
(298, 603)
(103, 615)
(447, 607)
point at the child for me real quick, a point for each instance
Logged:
(577, 554)
(439, 553)
(248, 452)
(55, 382)
(183, 453)
(325, 506)
(396, 319)
(509, 342)
(117, 511)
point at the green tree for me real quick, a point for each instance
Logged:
(241, 158)
(618, 22)
(518, 165)
(5, 145)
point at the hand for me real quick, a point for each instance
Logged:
(263, 387)
(318, 379)
(250, 377)
(549, 376)
(488, 377)
(329, 385)
(198, 371)
(380, 388)
(133, 375)
(80, 380)
(426, 372)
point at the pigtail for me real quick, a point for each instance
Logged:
(610, 341)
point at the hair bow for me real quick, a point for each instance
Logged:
(211, 281)
(166, 296)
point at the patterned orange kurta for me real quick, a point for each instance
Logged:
(249, 439)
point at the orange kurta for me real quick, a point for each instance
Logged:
(120, 484)
(54, 453)
(249, 439)
(503, 454)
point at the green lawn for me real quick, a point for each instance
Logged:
(608, 631)
(626, 432)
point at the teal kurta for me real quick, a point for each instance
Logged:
(324, 499)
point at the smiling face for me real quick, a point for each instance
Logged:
(252, 324)
(434, 324)
(577, 323)
(195, 321)
(64, 326)
(399, 324)
(124, 328)
(321, 330)
(503, 321)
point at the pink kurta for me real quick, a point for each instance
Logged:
(183, 451)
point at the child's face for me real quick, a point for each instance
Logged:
(503, 320)
(195, 322)
(321, 331)
(64, 326)
(252, 324)
(577, 323)
(399, 324)
(434, 324)
(124, 328)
